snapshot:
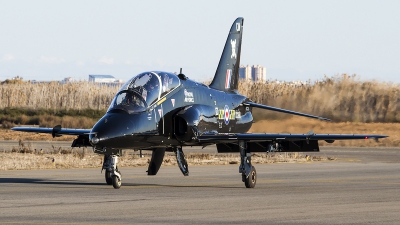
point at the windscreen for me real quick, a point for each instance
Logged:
(128, 101)
(148, 87)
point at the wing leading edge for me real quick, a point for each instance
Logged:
(260, 137)
(55, 131)
(81, 141)
(265, 142)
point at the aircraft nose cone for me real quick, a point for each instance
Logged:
(118, 130)
(109, 129)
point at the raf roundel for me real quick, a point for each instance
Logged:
(226, 115)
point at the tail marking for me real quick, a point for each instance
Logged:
(228, 79)
(233, 43)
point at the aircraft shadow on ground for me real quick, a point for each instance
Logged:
(74, 182)
(43, 181)
(181, 186)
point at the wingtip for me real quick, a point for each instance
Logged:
(326, 119)
(377, 137)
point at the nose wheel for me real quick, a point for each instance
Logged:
(116, 180)
(112, 175)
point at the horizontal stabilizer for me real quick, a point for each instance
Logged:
(252, 104)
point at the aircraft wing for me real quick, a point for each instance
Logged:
(261, 137)
(265, 142)
(55, 131)
(252, 104)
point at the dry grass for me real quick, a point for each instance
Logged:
(23, 161)
(49, 121)
(6, 134)
(368, 104)
(66, 121)
(76, 95)
(341, 98)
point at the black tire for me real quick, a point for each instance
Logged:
(251, 181)
(108, 177)
(116, 182)
(182, 163)
(184, 168)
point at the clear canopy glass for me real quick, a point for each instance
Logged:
(144, 90)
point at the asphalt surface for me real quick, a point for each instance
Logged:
(360, 187)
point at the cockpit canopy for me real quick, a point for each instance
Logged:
(143, 90)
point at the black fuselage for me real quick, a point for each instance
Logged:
(174, 120)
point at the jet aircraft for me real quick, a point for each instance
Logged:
(161, 111)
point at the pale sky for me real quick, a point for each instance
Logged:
(294, 40)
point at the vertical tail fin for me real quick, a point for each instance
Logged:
(227, 75)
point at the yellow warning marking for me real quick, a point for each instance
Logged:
(162, 100)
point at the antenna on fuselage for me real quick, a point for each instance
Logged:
(181, 75)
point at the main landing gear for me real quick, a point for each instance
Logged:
(249, 174)
(112, 174)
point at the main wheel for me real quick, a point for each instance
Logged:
(116, 182)
(108, 177)
(182, 163)
(250, 181)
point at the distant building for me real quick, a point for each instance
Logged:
(105, 80)
(259, 73)
(102, 79)
(17, 78)
(245, 72)
(67, 80)
(254, 73)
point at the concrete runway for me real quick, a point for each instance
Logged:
(362, 187)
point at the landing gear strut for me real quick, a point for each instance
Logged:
(112, 174)
(108, 177)
(182, 163)
(249, 174)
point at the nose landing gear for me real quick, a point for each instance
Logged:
(112, 175)
(108, 176)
